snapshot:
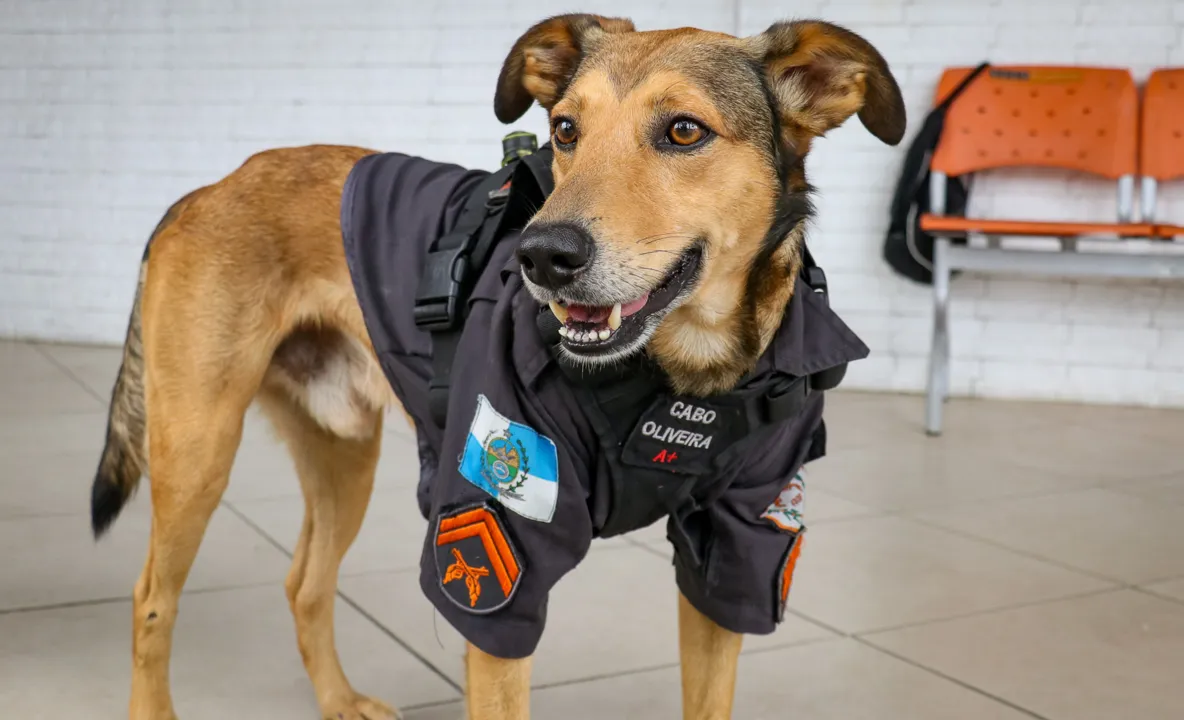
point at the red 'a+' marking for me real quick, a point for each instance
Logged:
(665, 457)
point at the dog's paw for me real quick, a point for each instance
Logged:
(363, 708)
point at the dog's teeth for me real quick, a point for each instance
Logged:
(614, 318)
(563, 331)
(603, 334)
(559, 310)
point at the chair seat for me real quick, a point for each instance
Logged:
(949, 225)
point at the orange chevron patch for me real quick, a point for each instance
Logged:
(470, 543)
(785, 577)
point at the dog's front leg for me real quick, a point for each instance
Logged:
(495, 688)
(709, 654)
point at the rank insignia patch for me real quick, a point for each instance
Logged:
(785, 577)
(478, 567)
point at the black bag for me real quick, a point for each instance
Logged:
(907, 248)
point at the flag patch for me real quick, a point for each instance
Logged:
(478, 567)
(512, 463)
(786, 510)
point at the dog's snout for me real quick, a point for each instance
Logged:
(553, 255)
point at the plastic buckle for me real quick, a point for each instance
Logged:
(816, 279)
(499, 197)
(438, 295)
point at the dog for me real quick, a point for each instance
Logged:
(678, 155)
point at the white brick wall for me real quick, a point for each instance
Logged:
(111, 109)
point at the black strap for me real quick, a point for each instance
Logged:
(457, 259)
(446, 269)
(538, 164)
(813, 274)
(452, 265)
(949, 99)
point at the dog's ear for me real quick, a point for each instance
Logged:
(543, 61)
(822, 74)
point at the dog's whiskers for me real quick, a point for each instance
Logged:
(650, 239)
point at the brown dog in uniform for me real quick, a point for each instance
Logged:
(667, 138)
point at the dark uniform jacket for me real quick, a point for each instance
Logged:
(519, 482)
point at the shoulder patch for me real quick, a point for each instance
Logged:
(785, 577)
(512, 463)
(786, 509)
(478, 567)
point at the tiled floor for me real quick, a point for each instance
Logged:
(1029, 564)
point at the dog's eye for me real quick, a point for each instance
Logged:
(564, 131)
(685, 132)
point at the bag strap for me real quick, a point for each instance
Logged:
(945, 104)
(934, 124)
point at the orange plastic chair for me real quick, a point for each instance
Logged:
(1161, 154)
(1077, 118)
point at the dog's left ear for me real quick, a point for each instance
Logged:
(822, 74)
(545, 58)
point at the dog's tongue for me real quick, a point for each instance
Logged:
(631, 307)
(600, 313)
(588, 313)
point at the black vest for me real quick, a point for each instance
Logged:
(424, 241)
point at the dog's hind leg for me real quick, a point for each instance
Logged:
(195, 420)
(335, 452)
(709, 654)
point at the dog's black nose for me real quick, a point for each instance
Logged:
(553, 255)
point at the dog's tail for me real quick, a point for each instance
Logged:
(125, 456)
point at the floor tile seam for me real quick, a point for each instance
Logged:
(951, 679)
(354, 605)
(205, 590)
(1116, 582)
(928, 507)
(994, 610)
(70, 374)
(81, 515)
(1151, 592)
(5, 416)
(999, 499)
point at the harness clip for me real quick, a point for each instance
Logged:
(816, 279)
(437, 299)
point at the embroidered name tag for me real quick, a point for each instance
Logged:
(682, 435)
(511, 462)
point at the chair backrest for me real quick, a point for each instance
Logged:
(1161, 155)
(1076, 118)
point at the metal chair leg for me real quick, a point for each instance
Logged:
(939, 351)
